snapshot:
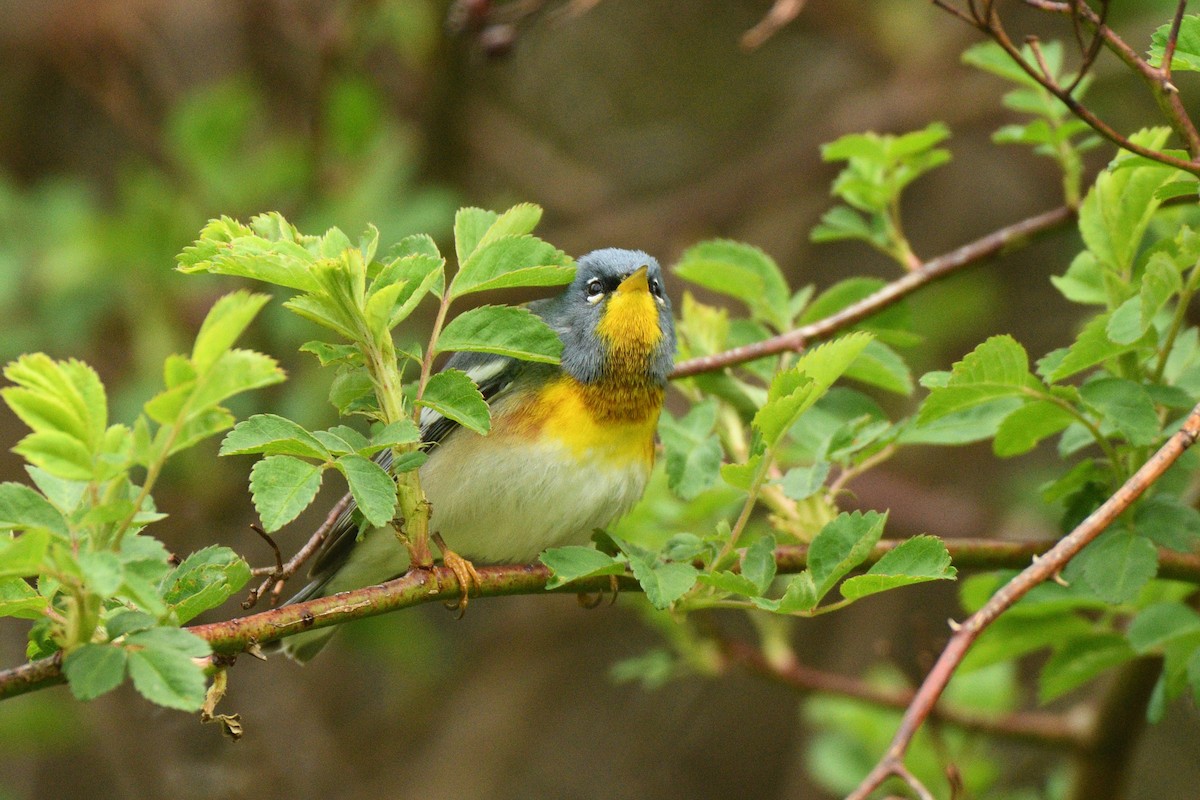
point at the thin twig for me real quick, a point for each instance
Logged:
(931, 270)
(780, 14)
(1040, 729)
(280, 573)
(1041, 570)
(438, 583)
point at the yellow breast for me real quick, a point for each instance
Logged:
(603, 421)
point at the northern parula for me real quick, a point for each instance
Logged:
(570, 447)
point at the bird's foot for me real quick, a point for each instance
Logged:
(589, 601)
(464, 571)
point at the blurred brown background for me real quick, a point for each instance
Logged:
(125, 124)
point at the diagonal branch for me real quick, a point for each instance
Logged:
(1042, 569)
(972, 253)
(439, 584)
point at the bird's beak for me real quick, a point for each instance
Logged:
(637, 282)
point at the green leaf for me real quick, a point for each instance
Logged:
(1117, 209)
(741, 476)
(162, 667)
(24, 556)
(1091, 347)
(282, 487)
(1168, 523)
(272, 435)
(1021, 430)
(758, 563)
(204, 580)
(455, 396)
(693, 451)
(22, 507)
(841, 546)
(795, 390)
(1159, 624)
(1013, 635)
(1083, 281)
(880, 365)
(741, 271)
(842, 222)
(1118, 564)
(373, 489)
(1126, 406)
(801, 483)
(663, 583)
(1187, 46)
(800, 596)
(916, 560)
(123, 622)
(19, 599)
(1080, 660)
(996, 369)
(512, 261)
(972, 424)
(102, 572)
(225, 322)
(94, 669)
(730, 583)
(470, 224)
(342, 439)
(395, 434)
(575, 563)
(419, 275)
(503, 331)
(892, 325)
(234, 371)
(516, 221)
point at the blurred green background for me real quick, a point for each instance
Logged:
(126, 124)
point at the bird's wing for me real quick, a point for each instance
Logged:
(493, 375)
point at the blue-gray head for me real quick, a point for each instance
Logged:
(615, 319)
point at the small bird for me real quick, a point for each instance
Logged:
(570, 447)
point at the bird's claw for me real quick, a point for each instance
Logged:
(590, 601)
(464, 572)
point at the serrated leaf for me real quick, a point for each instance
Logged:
(470, 224)
(758, 563)
(1021, 430)
(1126, 406)
(795, 390)
(741, 271)
(22, 507)
(916, 560)
(575, 563)
(225, 322)
(1157, 625)
(235, 371)
(880, 365)
(693, 451)
(401, 432)
(1083, 281)
(226, 247)
(503, 331)
(330, 354)
(1081, 660)
(663, 583)
(270, 434)
(19, 599)
(801, 483)
(162, 667)
(1091, 347)
(1117, 565)
(373, 489)
(1168, 523)
(730, 583)
(962, 427)
(740, 476)
(94, 669)
(204, 580)
(24, 556)
(996, 369)
(1187, 45)
(841, 546)
(282, 487)
(102, 572)
(455, 396)
(512, 261)
(516, 221)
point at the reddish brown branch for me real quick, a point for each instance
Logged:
(439, 584)
(931, 270)
(1041, 729)
(1042, 569)
(780, 14)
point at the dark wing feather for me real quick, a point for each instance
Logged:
(492, 374)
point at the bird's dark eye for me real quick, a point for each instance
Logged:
(655, 287)
(595, 289)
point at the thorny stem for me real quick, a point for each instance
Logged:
(1041, 570)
